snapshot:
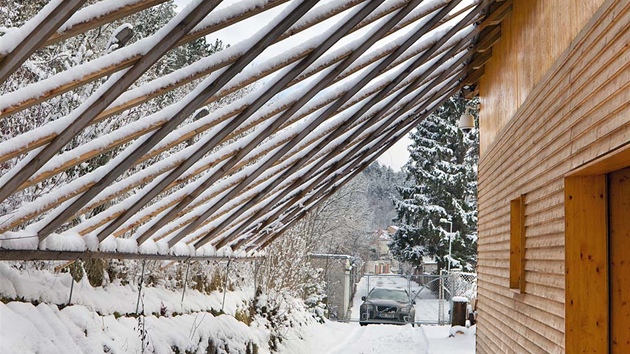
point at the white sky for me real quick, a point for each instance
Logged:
(395, 157)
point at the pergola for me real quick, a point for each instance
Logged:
(246, 172)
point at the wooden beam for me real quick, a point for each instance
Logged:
(37, 36)
(38, 255)
(376, 118)
(133, 58)
(85, 114)
(318, 120)
(419, 61)
(407, 126)
(241, 118)
(488, 37)
(135, 101)
(184, 112)
(135, 183)
(82, 27)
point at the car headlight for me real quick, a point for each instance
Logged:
(367, 306)
(405, 310)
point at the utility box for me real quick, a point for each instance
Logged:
(458, 312)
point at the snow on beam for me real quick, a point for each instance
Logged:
(212, 235)
(158, 45)
(44, 204)
(19, 44)
(72, 158)
(99, 14)
(335, 34)
(263, 240)
(258, 45)
(323, 171)
(329, 111)
(116, 61)
(37, 255)
(216, 215)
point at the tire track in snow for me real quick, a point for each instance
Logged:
(378, 339)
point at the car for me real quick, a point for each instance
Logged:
(387, 305)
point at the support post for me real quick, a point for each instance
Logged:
(185, 282)
(71, 289)
(227, 274)
(140, 286)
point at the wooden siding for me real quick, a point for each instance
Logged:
(533, 37)
(550, 114)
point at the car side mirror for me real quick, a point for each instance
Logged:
(363, 298)
(413, 302)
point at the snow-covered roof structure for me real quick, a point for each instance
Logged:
(335, 84)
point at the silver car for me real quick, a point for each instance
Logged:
(387, 305)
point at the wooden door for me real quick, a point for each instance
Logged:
(619, 260)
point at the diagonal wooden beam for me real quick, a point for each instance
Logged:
(73, 160)
(332, 171)
(132, 59)
(286, 115)
(241, 118)
(86, 113)
(179, 116)
(315, 122)
(82, 27)
(348, 173)
(330, 110)
(37, 36)
(375, 119)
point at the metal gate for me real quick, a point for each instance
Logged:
(432, 293)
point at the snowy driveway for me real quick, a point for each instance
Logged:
(351, 338)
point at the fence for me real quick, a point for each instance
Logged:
(432, 293)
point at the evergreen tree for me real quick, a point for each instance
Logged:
(442, 171)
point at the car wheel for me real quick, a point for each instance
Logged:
(363, 324)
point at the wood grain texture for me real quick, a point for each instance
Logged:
(619, 204)
(547, 112)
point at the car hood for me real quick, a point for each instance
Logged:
(384, 302)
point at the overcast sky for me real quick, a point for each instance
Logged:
(395, 157)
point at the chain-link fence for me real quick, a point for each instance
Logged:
(432, 293)
(454, 284)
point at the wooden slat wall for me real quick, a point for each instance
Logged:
(533, 37)
(548, 107)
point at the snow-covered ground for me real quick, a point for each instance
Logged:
(102, 320)
(350, 338)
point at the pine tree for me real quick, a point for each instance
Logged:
(442, 171)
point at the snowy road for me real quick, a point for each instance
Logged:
(382, 339)
(350, 338)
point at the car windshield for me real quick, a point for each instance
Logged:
(388, 294)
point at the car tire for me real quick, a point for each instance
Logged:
(363, 324)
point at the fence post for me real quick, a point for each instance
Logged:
(71, 288)
(140, 286)
(185, 283)
(346, 290)
(227, 274)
